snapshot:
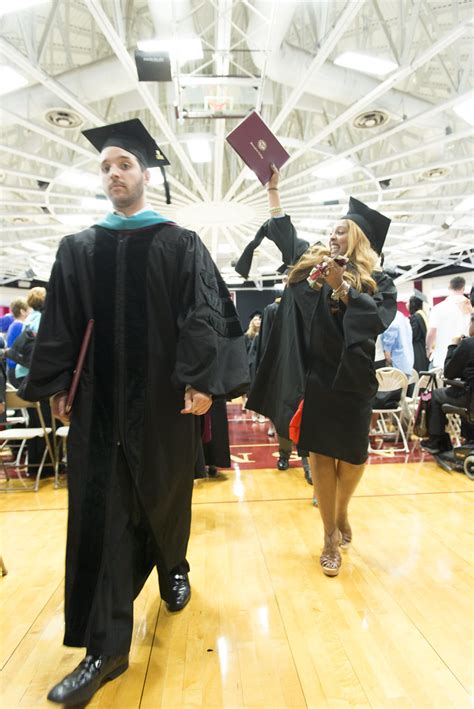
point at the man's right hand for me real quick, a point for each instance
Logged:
(58, 407)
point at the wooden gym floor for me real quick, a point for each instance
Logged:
(264, 627)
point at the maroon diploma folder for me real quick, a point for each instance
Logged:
(258, 147)
(79, 366)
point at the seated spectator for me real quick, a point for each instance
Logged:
(398, 352)
(397, 344)
(5, 322)
(35, 300)
(459, 364)
(19, 310)
(3, 382)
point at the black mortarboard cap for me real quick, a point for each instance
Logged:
(133, 137)
(373, 224)
(255, 312)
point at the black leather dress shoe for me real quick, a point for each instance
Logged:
(431, 445)
(283, 464)
(81, 685)
(181, 591)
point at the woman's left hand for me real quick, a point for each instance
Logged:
(333, 273)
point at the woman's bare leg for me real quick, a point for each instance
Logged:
(348, 477)
(324, 473)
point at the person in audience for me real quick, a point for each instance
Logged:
(5, 322)
(419, 327)
(36, 446)
(166, 339)
(35, 301)
(324, 333)
(397, 348)
(397, 342)
(3, 382)
(19, 310)
(448, 319)
(459, 364)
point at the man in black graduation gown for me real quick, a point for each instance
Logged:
(166, 339)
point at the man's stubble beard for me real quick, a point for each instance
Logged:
(126, 200)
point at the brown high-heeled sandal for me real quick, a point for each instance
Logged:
(330, 559)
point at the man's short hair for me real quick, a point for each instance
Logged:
(17, 306)
(457, 283)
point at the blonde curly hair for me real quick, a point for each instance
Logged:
(363, 260)
(253, 328)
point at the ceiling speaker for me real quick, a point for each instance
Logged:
(153, 66)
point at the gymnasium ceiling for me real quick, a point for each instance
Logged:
(408, 152)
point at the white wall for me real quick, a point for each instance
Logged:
(9, 294)
(434, 287)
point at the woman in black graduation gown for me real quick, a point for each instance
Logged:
(321, 350)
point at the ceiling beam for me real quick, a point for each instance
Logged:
(34, 72)
(223, 32)
(343, 22)
(98, 13)
(402, 73)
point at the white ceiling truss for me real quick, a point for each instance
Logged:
(412, 160)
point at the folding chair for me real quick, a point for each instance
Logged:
(15, 435)
(411, 402)
(60, 434)
(391, 379)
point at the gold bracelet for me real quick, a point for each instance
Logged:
(341, 291)
(272, 189)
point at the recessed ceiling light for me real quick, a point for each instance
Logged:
(370, 119)
(334, 168)
(18, 5)
(18, 219)
(435, 173)
(10, 80)
(199, 150)
(63, 118)
(365, 63)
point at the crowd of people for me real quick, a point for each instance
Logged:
(168, 351)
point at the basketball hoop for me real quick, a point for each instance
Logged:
(218, 104)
